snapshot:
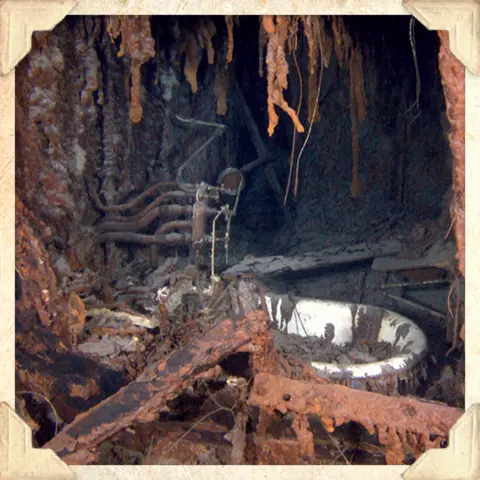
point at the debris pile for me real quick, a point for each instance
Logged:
(200, 371)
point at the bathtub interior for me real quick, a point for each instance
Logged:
(315, 318)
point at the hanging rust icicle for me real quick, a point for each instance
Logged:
(358, 101)
(220, 88)
(113, 27)
(352, 57)
(138, 43)
(338, 29)
(141, 47)
(277, 68)
(320, 45)
(311, 30)
(326, 43)
(207, 31)
(229, 22)
(268, 23)
(262, 41)
(192, 60)
(293, 34)
(194, 40)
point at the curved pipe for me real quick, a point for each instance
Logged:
(190, 122)
(147, 219)
(124, 206)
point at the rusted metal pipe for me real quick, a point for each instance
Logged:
(174, 225)
(125, 206)
(131, 237)
(165, 211)
(198, 226)
(175, 195)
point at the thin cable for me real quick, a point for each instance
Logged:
(418, 84)
(309, 130)
(292, 154)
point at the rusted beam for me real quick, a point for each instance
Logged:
(143, 399)
(398, 421)
(260, 147)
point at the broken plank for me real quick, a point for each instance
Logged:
(327, 257)
(439, 256)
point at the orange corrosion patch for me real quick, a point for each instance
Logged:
(453, 81)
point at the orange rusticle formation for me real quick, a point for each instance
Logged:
(229, 22)
(275, 31)
(192, 60)
(352, 56)
(137, 41)
(277, 70)
(337, 40)
(193, 44)
(292, 40)
(207, 31)
(194, 41)
(453, 80)
(342, 43)
(262, 41)
(358, 101)
(220, 89)
(311, 28)
(320, 45)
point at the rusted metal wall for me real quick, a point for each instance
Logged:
(453, 80)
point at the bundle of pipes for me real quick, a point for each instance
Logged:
(185, 224)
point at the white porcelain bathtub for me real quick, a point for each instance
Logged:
(347, 322)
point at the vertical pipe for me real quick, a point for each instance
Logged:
(198, 229)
